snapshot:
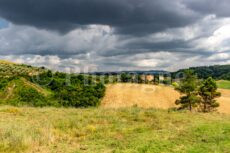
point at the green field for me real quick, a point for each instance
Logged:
(130, 130)
(223, 84)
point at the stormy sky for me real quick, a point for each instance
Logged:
(115, 35)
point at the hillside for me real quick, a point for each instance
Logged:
(150, 96)
(22, 92)
(9, 69)
(31, 86)
(97, 130)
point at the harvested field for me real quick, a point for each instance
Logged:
(224, 101)
(150, 96)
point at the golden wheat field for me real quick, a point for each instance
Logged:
(151, 96)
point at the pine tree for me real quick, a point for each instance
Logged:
(208, 92)
(188, 87)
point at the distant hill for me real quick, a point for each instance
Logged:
(130, 72)
(218, 72)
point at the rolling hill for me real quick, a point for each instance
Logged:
(116, 126)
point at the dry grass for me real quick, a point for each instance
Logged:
(147, 96)
(224, 101)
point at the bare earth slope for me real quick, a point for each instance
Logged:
(147, 96)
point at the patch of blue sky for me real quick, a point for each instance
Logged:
(3, 23)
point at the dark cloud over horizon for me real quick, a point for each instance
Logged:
(116, 33)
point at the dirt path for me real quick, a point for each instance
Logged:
(10, 91)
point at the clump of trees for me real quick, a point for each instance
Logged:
(71, 90)
(197, 95)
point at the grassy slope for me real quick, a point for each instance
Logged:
(10, 92)
(224, 84)
(108, 130)
(10, 69)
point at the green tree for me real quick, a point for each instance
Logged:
(208, 92)
(188, 87)
(125, 77)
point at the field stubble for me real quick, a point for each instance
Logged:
(151, 96)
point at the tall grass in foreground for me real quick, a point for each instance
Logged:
(99, 130)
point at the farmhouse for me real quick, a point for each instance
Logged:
(147, 77)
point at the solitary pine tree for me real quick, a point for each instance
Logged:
(188, 87)
(208, 93)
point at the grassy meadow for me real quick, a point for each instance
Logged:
(224, 84)
(127, 130)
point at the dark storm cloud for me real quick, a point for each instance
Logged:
(217, 7)
(126, 16)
